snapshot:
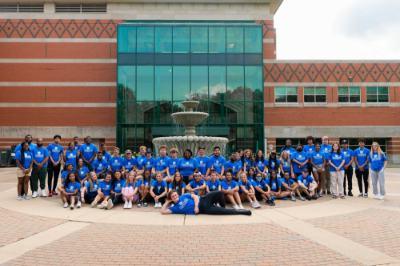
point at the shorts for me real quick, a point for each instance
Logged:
(319, 166)
(89, 197)
(21, 173)
(127, 192)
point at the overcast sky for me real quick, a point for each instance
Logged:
(338, 29)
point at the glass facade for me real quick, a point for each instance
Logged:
(161, 64)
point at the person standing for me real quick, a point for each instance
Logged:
(348, 167)
(40, 161)
(326, 149)
(28, 138)
(24, 161)
(336, 163)
(53, 170)
(378, 162)
(288, 148)
(71, 155)
(88, 152)
(361, 160)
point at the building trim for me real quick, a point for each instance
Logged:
(331, 61)
(58, 60)
(268, 40)
(58, 40)
(57, 84)
(331, 84)
(329, 105)
(57, 105)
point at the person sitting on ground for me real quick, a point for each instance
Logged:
(103, 194)
(116, 190)
(90, 188)
(213, 203)
(214, 184)
(130, 191)
(82, 171)
(143, 184)
(69, 168)
(247, 192)
(290, 184)
(307, 185)
(158, 190)
(100, 165)
(231, 190)
(177, 184)
(262, 189)
(276, 187)
(197, 185)
(70, 191)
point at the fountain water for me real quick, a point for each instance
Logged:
(189, 119)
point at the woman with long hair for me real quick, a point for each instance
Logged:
(177, 184)
(336, 163)
(260, 163)
(377, 162)
(24, 159)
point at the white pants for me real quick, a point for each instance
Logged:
(378, 178)
(337, 183)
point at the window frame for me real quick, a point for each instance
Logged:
(348, 95)
(377, 94)
(315, 95)
(286, 95)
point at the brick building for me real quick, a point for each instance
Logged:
(59, 63)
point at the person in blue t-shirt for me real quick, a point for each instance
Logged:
(216, 162)
(71, 155)
(299, 161)
(70, 191)
(54, 164)
(142, 182)
(273, 163)
(336, 164)
(231, 190)
(172, 164)
(90, 188)
(317, 160)
(100, 165)
(187, 165)
(82, 170)
(129, 162)
(247, 192)
(202, 161)
(104, 193)
(102, 149)
(285, 164)
(288, 148)
(177, 184)
(140, 160)
(161, 162)
(247, 160)
(64, 174)
(88, 152)
(24, 160)
(28, 138)
(158, 190)
(213, 184)
(116, 162)
(260, 163)
(377, 164)
(262, 189)
(149, 162)
(40, 160)
(361, 160)
(130, 192)
(213, 203)
(276, 187)
(233, 165)
(307, 185)
(326, 149)
(348, 167)
(291, 185)
(197, 185)
(77, 145)
(116, 189)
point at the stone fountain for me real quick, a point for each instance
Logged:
(189, 119)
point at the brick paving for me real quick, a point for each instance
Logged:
(374, 228)
(16, 226)
(261, 244)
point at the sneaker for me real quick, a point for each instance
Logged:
(257, 205)
(365, 195)
(54, 193)
(314, 197)
(334, 197)
(130, 205)
(236, 207)
(342, 197)
(66, 205)
(44, 193)
(26, 197)
(360, 195)
(19, 197)
(126, 205)
(110, 204)
(218, 205)
(34, 194)
(102, 206)
(381, 197)
(302, 198)
(308, 197)
(376, 196)
(79, 204)
(156, 205)
(139, 204)
(350, 194)
(145, 204)
(241, 207)
(292, 197)
(71, 207)
(50, 194)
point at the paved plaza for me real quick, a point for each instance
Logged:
(353, 231)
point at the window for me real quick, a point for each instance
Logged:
(234, 39)
(285, 95)
(126, 39)
(314, 95)
(163, 38)
(21, 8)
(349, 94)
(377, 94)
(81, 8)
(217, 39)
(252, 37)
(199, 38)
(145, 39)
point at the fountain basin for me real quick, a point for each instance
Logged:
(181, 143)
(190, 119)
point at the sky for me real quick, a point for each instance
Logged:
(338, 29)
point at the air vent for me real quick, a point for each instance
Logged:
(13, 8)
(94, 8)
(68, 8)
(81, 8)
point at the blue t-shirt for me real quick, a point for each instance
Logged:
(140, 160)
(377, 161)
(93, 189)
(195, 184)
(348, 155)
(118, 185)
(88, 151)
(286, 166)
(116, 163)
(82, 172)
(362, 156)
(216, 163)
(317, 157)
(106, 155)
(300, 157)
(32, 146)
(172, 165)
(202, 162)
(326, 150)
(99, 165)
(71, 157)
(247, 185)
(72, 186)
(213, 186)
(105, 187)
(185, 205)
(161, 163)
(39, 154)
(129, 163)
(177, 187)
(289, 150)
(139, 182)
(187, 166)
(260, 164)
(249, 163)
(261, 184)
(309, 149)
(228, 185)
(149, 163)
(76, 147)
(159, 186)
(55, 151)
(275, 184)
(288, 182)
(305, 180)
(233, 166)
(272, 165)
(336, 159)
(28, 158)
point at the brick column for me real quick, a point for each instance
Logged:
(393, 151)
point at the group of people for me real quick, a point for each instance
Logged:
(191, 184)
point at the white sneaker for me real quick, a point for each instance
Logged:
(377, 196)
(241, 207)
(158, 205)
(71, 207)
(19, 197)
(381, 197)
(26, 197)
(79, 204)
(126, 205)
(101, 206)
(130, 205)
(236, 207)
(44, 193)
(110, 204)
(66, 205)
(258, 205)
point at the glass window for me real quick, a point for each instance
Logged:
(127, 39)
(253, 40)
(285, 95)
(199, 38)
(217, 39)
(126, 82)
(349, 95)
(315, 95)
(377, 94)
(253, 83)
(145, 39)
(163, 83)
(234, 40)
(181, 82)
(163, 38)
(235, 83)
(217, 81)
(199, 82)
(145, 83)
(181, 39)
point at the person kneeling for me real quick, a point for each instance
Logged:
(91, 186)
(193, 204)
(103, 194)
(70, 191)
(307, 185)
(158, 190)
